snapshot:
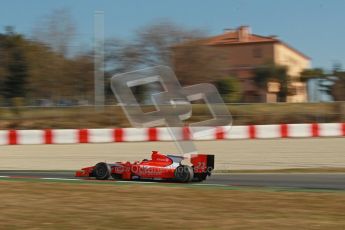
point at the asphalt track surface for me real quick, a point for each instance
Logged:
(333, 181)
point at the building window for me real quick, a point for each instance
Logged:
(257, 52)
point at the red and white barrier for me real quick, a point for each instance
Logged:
(70, 136)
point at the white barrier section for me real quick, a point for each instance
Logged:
(135, 134)
(65, 136)
(330, 130)
(237, 132)
(30, 137)
(163, 134)
(268, 131)
(203, 134)
(299, 130)
(3, 137)
(100, 135)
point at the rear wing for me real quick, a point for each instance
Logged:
(202, 163)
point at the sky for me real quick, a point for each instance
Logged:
(315, 27)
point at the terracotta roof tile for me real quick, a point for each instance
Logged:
(233, 38)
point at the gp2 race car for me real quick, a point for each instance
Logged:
(160, 167)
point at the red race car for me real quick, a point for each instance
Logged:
(160, 167)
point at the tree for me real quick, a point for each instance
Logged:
(14, 84)
(46, 80)
(332, 83)
(152, 45)
(229, 88)
(273, 73)
(15, 66)
(312, 73)
(122, 56)
(323, 81)
(157, 40)
(337, 90)
(194, 63)
(31, 69)
(59, 75)
(79, 78)
(2, 65)
(57, 30)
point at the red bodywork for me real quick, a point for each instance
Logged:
(160, 166)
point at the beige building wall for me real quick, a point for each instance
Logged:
(257, 54)
(287, 57)
(301, 92)
(295, 63)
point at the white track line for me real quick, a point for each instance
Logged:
(222, 185)
(128, 182)
(137, 182)
(58, 178)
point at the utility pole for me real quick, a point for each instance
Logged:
(99, 59)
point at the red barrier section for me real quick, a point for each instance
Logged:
(284, 130)
(252, 131)
(12, 137)
(314, 130)
(186, 135)
(48, 136)
(118, 135)
(152, 133)
(83, 136)
(219, 133)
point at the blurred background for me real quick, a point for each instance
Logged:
(270, 62)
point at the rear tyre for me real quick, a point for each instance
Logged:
(184, 173)
(102, 171)
(198, 177)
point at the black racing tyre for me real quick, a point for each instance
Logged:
(198, 177)
(184, 173)
(102, 171)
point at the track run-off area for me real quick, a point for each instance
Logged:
(52, 161)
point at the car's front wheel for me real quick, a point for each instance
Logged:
(102, 171)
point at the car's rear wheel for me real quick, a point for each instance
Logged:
(198, 177)
(102, 171)
(184, 173)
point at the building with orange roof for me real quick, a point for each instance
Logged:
(245, 51)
